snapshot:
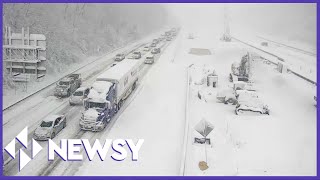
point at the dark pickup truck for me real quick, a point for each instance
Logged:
(67, 85)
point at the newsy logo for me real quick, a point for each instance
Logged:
(22, 138)
(70, 149)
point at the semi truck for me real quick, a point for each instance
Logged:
(108, 93)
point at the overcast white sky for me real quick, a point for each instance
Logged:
(290, 21)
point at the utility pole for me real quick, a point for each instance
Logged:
(226, 34)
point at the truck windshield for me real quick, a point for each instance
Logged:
(46, 124)
(64, 83)
(96, 105)
(78, 93)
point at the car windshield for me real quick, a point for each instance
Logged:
(136, 53)
(149, 57)
(78, 93)
(46, 124)
(119, 55)
(96, 105)
(64, 83)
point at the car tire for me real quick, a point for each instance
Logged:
(134, 85)
(53, 135)
(64, 124)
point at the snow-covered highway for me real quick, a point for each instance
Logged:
(155, 112)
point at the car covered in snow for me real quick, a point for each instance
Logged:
(136, 55)
(155, 50)
(79, 95)
(149, 59)
(249, 103)
(226, 96)
(155, 41)
(146, 48)
(153, 45)
(119, 57)
(242, 92)
(67, 85)
(50, 127)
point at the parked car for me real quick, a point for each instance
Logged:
(246, 93)
(67, 85)
(153, 45)
(119, 57)
(264, 43)
(137, 55)
(155, 50)
(50, 127)
(227, 96)
(149, 59)
(79, 95)
(168, 39)
(253, 104)
(146, 48)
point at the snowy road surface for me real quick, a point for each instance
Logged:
(283, 143)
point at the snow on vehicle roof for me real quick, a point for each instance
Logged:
(250, 101)
(101, 86)
(99, 91)
(81, 89)
(118, 71)
(50, 118)
(66, 79)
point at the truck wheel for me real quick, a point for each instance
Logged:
(120, 104)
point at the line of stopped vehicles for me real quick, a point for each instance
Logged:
(106, 95)
(242, 93)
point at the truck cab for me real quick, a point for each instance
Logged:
(98, 106)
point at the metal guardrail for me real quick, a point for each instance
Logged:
(279, 58)
(294, 48)
(45, 87)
